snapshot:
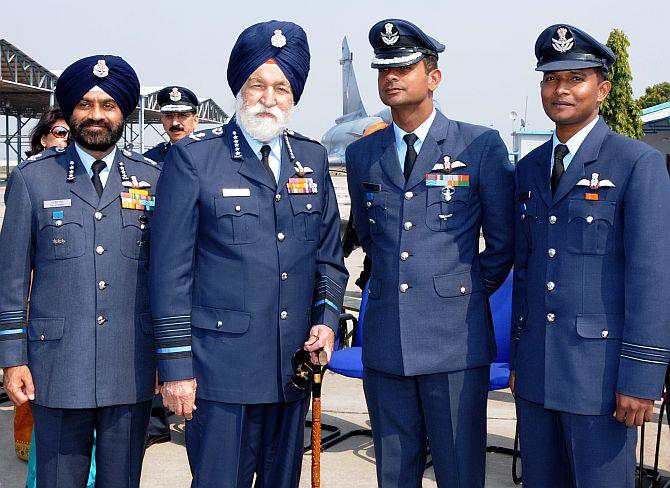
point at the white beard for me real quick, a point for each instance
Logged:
(263, 129)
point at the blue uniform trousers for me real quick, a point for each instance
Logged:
(564, 450)
(447, 410)
(64, 439)
(227, 443)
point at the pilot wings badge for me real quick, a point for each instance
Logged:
(447, 165)
(302, 170)
(562, 44)
(389, 36)
(595, 183)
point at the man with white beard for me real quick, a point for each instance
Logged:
(246, 268)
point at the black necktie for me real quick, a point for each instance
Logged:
(265, 152)
(410, 155)
(97, 168)
(559, 153)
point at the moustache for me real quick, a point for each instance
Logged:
(176, 127)
(95, 123)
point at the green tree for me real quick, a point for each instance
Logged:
(620, 109)
(655, 95)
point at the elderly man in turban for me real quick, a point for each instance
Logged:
(247, 267)
(78, 219)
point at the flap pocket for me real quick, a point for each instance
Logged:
(600, 326)
(135, 218)
(220, 319)
(236, 206)
(458, 284)
(374, 287)
(146, 323)
(70, 216)
(375, 199)
(45, 329)
(591, 210)
(306, 203)
(528, 207)
(448, 194)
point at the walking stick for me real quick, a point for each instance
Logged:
(316, 426)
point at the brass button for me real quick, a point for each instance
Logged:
(99, 250)
(407, 225)
(551, 252)
(408, 195)
(551, 317)
(102, 285)
(551, 285)
(98, 215)
(404, 256)
(552, 219)
(283, 315)
(281, 236)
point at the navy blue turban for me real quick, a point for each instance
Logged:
(285, 42)
(111, 73)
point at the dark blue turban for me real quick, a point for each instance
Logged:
(111, 73)
(285, 42)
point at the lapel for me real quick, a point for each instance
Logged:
(82, 185)
(287, 170)
(251, 166)
(543, 161)
(389, 158)
(587, 153)
(431, 152)
(113, 186)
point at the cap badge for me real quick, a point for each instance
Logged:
(101, 70)
(278, 40)
(389, 36)
(562, 45)
(175, 95)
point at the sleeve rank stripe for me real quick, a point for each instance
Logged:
(173, 318)
(328, 281)
(664, 363)
(325, 302)
(169, 350)
(631, 344)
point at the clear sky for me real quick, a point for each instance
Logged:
(488, 65)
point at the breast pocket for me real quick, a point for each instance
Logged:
(238, 219)
(62, 234)
(528, 210)
(306, 216)
(377, 211)
(590, 226)
(135, 234)
(446, 208)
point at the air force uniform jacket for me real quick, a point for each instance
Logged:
(427, 309)
(158, 153)
(243, 266)
(592, 276)
(89, 340)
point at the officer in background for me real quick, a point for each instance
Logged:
(79, 220)
(179, 115)
(421, 191)
(590, 330)
(248, 268)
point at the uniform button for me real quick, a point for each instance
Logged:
(59, 223)
(551, 317)
(283, 315)
(99, 250)
(277, 197)
(368, 204)
(404, 287)
(551, 285)
(101, 320)
(102, 285)
(284, 276)
(308, 206)
(520, 318)
(404, 256)
(42, 337)
(219, 323)
(605, 333)
(551, 252)
(589, 219)
(552, 219)
(463, 290)
(407, 225)
(281, 236)
(98, 215)
(238, 208)
(143, 226)
(408, 195)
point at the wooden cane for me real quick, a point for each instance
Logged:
(317, 378)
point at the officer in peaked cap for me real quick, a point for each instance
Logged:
(248, 267)
(590, 328)
(179, 115)
(421, 191)
(78, 219)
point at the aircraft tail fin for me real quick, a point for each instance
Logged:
(352, 104)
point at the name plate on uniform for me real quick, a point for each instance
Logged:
(236, 192)
(447, 180)
(137, 199)
(57, 203)
(302, 185)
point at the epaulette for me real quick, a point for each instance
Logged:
(297, 135)
(52, 151)
(139, 158)
(205, 135)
